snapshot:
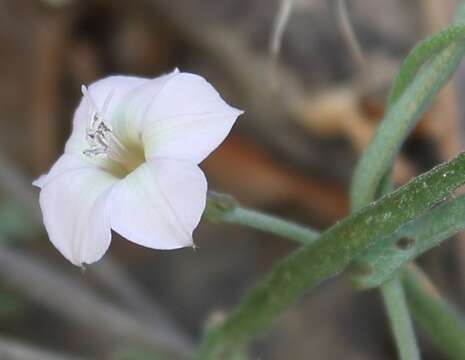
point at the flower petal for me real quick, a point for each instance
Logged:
(114, 86)
(159, 204)
(186, 120)
(66, 162)
(75, 206)
(127, 122)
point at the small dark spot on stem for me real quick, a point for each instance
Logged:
(405, 243)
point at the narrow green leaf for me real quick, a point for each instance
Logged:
(420, 54)
(387, 256)
(337, 247)
(378, 157)
(404, 113)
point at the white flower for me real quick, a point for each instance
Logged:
(131, 164)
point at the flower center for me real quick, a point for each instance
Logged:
(119, 158)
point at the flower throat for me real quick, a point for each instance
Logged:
(103, 143)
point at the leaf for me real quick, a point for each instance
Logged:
(308, 266)
(441, 321)
(387, 256)
(413, 91)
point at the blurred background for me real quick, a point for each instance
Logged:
(309, 112)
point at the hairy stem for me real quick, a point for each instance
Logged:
(399, 318)
(223, 208)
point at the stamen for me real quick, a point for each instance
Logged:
(98, 134)
(101, 139)
(107, 101)
(88, 98)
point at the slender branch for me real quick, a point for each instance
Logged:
(399, 317)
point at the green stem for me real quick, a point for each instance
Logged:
(223, 208)
(399, 318)
(441, 321)
(271, 224)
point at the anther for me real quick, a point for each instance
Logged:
(98, 134)
(101, 139)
